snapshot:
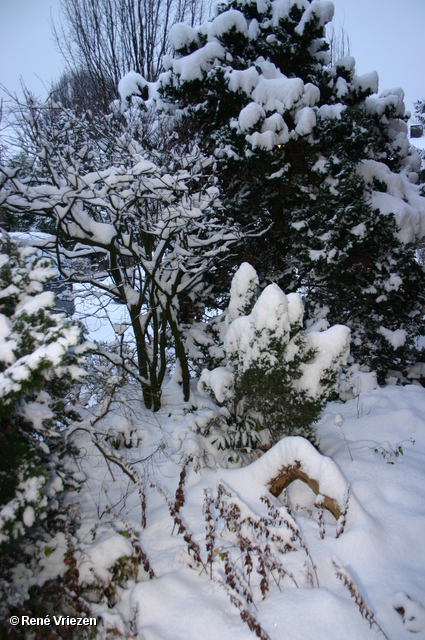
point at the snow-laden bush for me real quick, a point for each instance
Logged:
(278, 376)
(151, 226)
(36, 371)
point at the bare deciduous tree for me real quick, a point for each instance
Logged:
(339, 41)
(102, 40)
(75, 90)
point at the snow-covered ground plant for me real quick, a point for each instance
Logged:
(38, 365)
(278, 376)
(153, 230)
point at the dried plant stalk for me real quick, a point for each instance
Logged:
(355, 593)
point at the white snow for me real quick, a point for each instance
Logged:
(254, 29)
(346, 62)
(396, 338)
(380, 546)
(131, 84)
(266, 140)
(331, 345)
(273, 93)
(311, 94)
(28, 517)
(305, 121)
(182, 35)
(220, 380)
(319, 11)
(341, 87)
(281, 8)
(7, 346)
(243, 80)
(394, 282)
(227, 21)
(243, 289)
(372, 447)
(31, 304)
(331, 111)
(367, 82)
(270, 312)
(102, 554)
(413, 612)
(402, 198)
(409, 220)
(278, 94)
(288, 450)
(275, 123)
(390, 98)
(193, 66)
(295, 309)
(250, 115)
(274, 315)
(36, 412)
(359, 230)
(355, 381)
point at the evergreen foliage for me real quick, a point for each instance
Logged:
(37, 368)
(278, 377)
(310, 151)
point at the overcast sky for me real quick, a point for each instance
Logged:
(386, 35)
(26, 44)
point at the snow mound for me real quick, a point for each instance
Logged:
(284, 454)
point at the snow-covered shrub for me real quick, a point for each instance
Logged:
(36, 371)
(278, 376)
(151, 225)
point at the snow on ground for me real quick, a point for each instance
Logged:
(419, 143)
(377, 442)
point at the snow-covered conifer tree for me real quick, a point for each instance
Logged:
(38, 365)
(315, 151)
(278, 377)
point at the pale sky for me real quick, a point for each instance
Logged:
(387, 36)
(26, 45)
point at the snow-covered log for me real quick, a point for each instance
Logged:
(295, 458)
